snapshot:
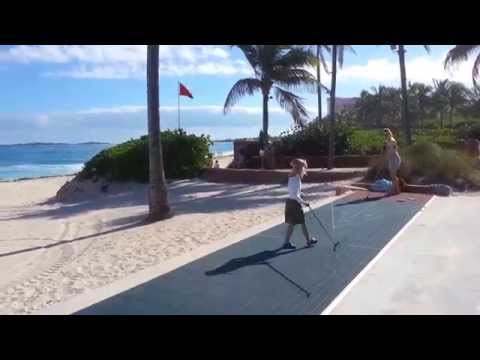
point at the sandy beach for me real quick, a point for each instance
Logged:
(223, 161)
(51, 252)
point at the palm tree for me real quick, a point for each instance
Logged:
(461, 53)
(275, 66)
(320, 62)
(440, 98)
(473, 103)
(457, 97)
(157, 198)
(422, 94)
(337, 59)
(365, 106)
(403, 78)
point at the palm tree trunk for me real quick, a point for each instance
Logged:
(265, 115)
(450, 116)
(403, 78)
(441, 119)
(319, 88)
(331, 137)
(421, 115)
(157, 198)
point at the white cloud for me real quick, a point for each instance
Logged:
(117, 124)
(211, 109)
(41, 120)
(126, 61)
(114, 110)
(387, 71)
(419, 69)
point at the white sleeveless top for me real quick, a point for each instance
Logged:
(294, 189)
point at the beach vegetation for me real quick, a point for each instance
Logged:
(428, 163)
(184, 155)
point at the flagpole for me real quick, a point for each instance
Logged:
(178, 93)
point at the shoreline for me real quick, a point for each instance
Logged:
(222, 159)
(37, 178)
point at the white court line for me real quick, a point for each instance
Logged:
(382, 252)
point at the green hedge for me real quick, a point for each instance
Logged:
(313, 140)
(184, 156)
(469, 130)
(434, 164)
(446, 138)
(366, 142)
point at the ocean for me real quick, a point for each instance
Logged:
(39, 160)
(222, 148)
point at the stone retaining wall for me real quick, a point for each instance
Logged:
(275, 176)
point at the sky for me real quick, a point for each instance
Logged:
(80, 93)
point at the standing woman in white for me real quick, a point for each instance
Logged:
(393, 160)
(294, 214)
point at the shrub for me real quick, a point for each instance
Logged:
(433, 164)
(184, 156)
(469, 130)
(366, 142)
(313, 140)
(446, 138)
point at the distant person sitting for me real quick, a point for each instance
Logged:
(217, 165)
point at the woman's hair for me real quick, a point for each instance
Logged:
(388, 132)
(299, 167)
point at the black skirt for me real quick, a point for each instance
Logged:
(293, 213)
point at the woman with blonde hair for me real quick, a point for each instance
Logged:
(294, 214)
(392, 159)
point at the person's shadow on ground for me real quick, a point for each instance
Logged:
(260, 258)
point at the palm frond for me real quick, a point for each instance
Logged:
(476, 71)
(251, 54)
(292, 104)
(321, 56)
(296, 79)
(269, 55)
(241, 88)
(327, 47)
(297, 57)
(427, 48)
(459, 53)
(341, 50)
(350, 48)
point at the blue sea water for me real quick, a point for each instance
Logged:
(37, 160)
(222, 148)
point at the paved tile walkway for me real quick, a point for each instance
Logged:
(254, 276)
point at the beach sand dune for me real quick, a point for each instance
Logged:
(51, 251)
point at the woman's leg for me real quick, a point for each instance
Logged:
(310, 240)
(395, 185)
(305, 232)
(289, 233)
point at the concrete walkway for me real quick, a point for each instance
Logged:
(254, 276)
(432, 268)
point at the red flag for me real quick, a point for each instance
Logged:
(184, 91)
